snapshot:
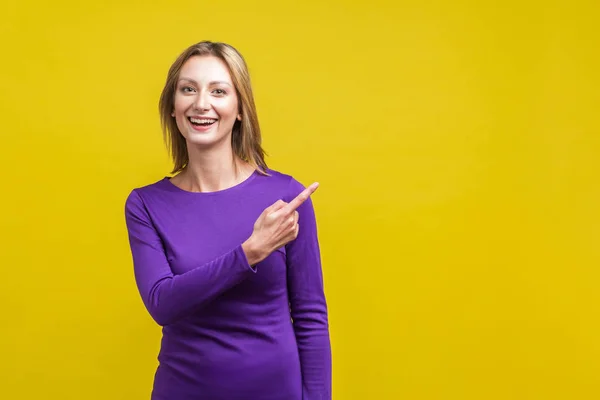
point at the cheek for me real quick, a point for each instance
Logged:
(228, 109)
(181, 104)
(181, 123)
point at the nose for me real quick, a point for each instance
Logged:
(202, 101)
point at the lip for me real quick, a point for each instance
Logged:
(202, 128)
(201, 117)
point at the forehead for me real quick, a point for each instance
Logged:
(205, 69)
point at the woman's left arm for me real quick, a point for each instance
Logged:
(307, 302)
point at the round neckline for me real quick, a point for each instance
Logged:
(243, 183)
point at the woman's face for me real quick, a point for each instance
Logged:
(206, 103)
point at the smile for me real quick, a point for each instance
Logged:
(202, 121)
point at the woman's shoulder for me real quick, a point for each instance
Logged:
(280, 177)
(285, 181)
(160, 184)
(277, 175)
(139, 193)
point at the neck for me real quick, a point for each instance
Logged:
(213, 170)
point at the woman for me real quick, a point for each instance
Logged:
(225, 253)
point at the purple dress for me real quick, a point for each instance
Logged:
(230, 331)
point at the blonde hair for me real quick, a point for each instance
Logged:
(245, 138)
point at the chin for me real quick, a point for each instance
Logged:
(205, 139)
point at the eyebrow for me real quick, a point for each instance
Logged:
(210, 83)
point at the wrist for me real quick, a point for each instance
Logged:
(253, 253)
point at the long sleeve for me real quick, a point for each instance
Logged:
(169, 297)
(308, 304)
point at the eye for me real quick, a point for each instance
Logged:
(187, 89)
(219, 92)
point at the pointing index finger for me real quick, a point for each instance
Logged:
(301, 198)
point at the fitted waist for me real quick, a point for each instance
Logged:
(233, 362)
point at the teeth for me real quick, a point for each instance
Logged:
(202, 121)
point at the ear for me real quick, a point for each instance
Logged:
(173, 114)
(239, 117)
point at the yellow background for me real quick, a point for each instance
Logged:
(456, 142)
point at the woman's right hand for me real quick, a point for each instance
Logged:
(276, 226)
